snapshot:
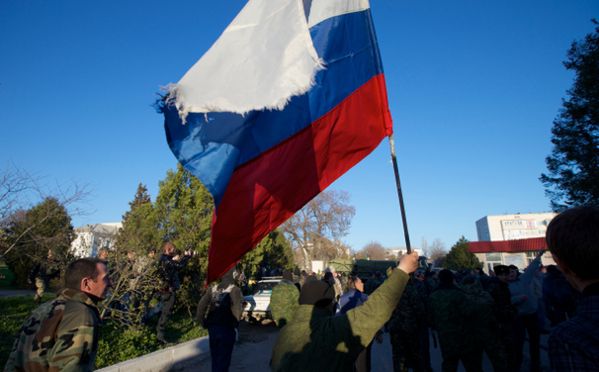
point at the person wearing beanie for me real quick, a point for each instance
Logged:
(316, 339)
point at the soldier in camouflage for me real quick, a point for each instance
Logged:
(450, 314)
(41, 275)
(405, 325)
(505, 313)
(484, 322)
(63, 334)
(284, 300)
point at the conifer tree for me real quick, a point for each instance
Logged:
(139, 232)
(273, 252)
(460, 258)
(573, 165)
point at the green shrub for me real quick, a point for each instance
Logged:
(116, 345)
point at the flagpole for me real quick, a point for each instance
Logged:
(400, 194)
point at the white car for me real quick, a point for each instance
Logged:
(257, 306)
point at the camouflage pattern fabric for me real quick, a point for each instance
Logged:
(317, 340)
(41, 275)
(405, 325)
(450, 312)
(283, 302)
(60, 335)
(47, 270)
(484, 322)
(40, 288)
(505, 313)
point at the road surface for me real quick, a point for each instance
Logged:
(252, 352)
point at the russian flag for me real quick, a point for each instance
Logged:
(268, 118)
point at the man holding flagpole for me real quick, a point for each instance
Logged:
(316, 339)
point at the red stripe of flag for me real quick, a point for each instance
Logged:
(265, 192)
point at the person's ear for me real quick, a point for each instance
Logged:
(562, 266)
(85, 285)
(570, 275)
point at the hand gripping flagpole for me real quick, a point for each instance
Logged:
(399, 194)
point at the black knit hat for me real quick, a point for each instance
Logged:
(316, 292)
(501, 270)
(446, 277)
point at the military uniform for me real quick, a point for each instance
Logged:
(405, 325)
(317, 340)
(283, 302)
(60, 335)
(450, 312)
(41, 275)
(484, 323)
(505, 314)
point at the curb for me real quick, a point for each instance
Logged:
(172, 358)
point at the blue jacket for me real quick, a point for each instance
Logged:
(523, 296)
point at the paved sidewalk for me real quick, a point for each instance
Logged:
(254, 355)
(16, 292)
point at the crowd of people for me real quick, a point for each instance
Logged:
(329, 323)
(467, 312)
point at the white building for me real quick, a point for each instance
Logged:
(395, 253)
(91, 238)
(511, 227)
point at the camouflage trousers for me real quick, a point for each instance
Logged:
(408, 351)
(40, 288)
(494, 348)
(455, 349)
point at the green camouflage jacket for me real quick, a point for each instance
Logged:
(45, 270)
(451, 316)
(410, 314)
(483, 308)
(60, 335)
(283, 302)
(317, 340)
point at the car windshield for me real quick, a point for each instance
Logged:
(265, 287)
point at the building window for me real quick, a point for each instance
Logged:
(494, 256)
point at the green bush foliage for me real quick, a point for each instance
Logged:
(460, 258)
(117, 342)
(31, 233)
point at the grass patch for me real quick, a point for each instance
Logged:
(116, 343)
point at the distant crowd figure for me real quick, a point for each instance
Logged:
(329, 323)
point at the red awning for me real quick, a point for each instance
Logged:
(520, 245)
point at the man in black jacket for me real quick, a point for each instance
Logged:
(169, 266)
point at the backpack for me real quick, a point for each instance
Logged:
(219, 311)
